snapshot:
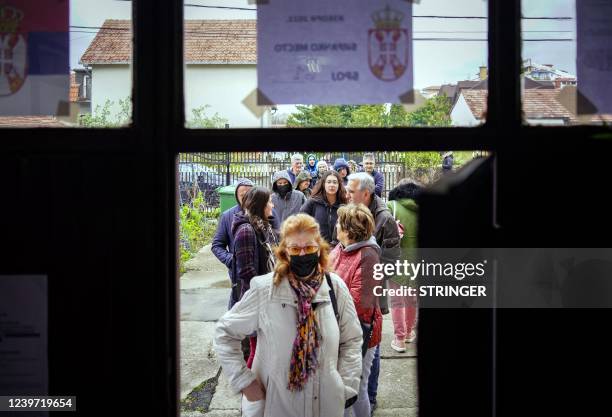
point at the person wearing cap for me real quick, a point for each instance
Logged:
(447, 162)
(302, 183)
(342, 168)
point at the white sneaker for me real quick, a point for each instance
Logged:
(412, 337)
(398, 347)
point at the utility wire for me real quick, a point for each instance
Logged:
(204, 36)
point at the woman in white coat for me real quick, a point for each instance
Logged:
(308, 361)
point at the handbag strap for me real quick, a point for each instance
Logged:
(332, 295)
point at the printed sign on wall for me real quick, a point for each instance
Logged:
(34, 56)
(594, 56)
(334, 52)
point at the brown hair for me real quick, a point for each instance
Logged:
(298, 223)
(319, 188)
(357, 221)
(254, 203)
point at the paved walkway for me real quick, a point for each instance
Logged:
(205, 391)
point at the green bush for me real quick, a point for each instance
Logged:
(197, 227)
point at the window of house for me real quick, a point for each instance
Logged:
(69, 69)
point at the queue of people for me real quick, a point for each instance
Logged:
(303, 333)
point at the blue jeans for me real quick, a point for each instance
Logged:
(373, 380)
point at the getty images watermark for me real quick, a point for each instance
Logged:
(422, 270)
(498, 277)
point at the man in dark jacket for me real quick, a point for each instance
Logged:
(369, 166)
(361, 190)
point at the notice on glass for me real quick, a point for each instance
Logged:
(594, 56)
(334, 52)
(24, 366)
(34, 58)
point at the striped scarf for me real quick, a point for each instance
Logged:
(305, 346)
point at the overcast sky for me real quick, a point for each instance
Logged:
(435, 62)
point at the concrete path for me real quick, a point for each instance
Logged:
(205, 391)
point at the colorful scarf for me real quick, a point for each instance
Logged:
(305, 346)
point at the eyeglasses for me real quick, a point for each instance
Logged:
(295, 250)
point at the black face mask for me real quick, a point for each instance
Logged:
(304, 265)
(283, 189)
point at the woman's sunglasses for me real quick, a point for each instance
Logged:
(295, 250)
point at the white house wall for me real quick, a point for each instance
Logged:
(110, 82)
(461, 115)
(223, 87)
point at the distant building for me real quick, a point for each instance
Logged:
(548, 72)
(429, 92)
(540, 107)
(220, 67)
(80, 89)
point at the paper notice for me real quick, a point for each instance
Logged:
(23, 335)
(594, 55)
(334, 52)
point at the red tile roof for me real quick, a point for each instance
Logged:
(74, 88)
(206, 42)
(537, 104)
(30, 121)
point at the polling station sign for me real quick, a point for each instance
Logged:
(34, 56)
(340, 52)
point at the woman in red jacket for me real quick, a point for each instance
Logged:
(353, 260)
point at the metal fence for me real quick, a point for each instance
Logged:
(206, 172)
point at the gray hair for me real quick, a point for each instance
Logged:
(366, 181)
(369, 156)
(297, 157)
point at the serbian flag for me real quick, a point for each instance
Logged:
(34, 56)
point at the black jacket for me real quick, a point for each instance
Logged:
(325, 214)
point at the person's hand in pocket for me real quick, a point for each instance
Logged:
(255, 391)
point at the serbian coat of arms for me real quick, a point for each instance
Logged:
(13, 51)
(388, 45)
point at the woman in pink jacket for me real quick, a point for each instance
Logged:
(353, 260)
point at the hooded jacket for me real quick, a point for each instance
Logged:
(325, 214)
(288, 205)
(355, 264)
(271, 311)
(341, 163)
(303, 176)
(312, 170)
